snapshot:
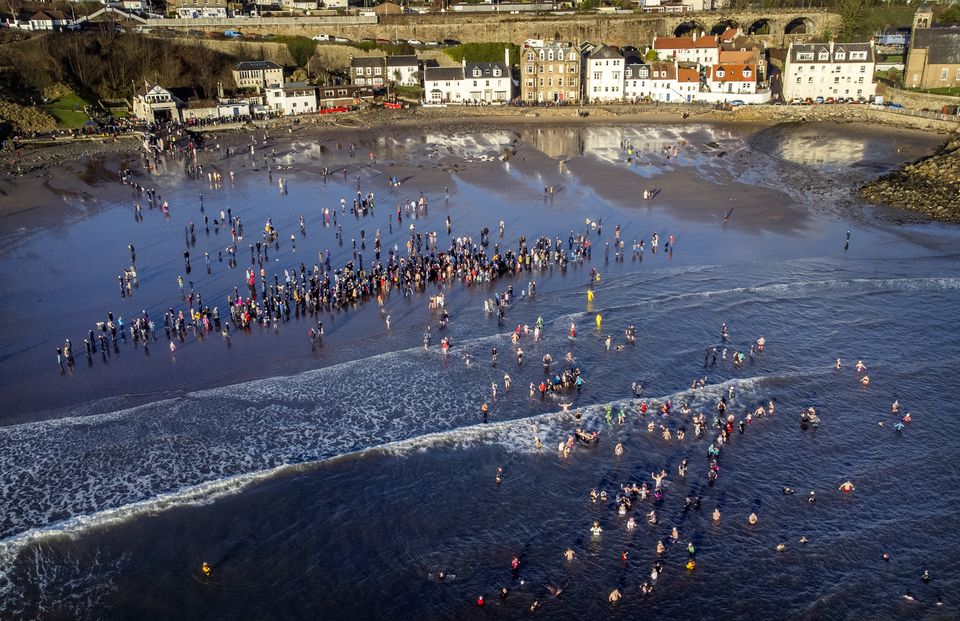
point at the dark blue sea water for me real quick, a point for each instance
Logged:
(336, 483)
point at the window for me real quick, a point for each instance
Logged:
(550, 55)
(560, 55)
(474, 82)
(549, 81)
(597, 75)
(496, 72)
(488, 83)
(720, 73)
(957, 77)
(823, 55)
(476, 74)
(542, 55)
(529, 68)
(836, 80)
(559, 81)
(378, 71)
(863, 68)
(541, 82)
(858, 55)
(798, 80)
(840, 56)
(860, 80)
(943, 74)
(530, 57)
(573, 68)
(747, 73)
(804, 55)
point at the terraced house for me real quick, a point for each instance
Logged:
(550, 71)
(829, 70)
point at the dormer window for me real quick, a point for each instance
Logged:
(550, 55)
(560, 55)
(543, 55)
(496, 72)
(747, 73)
(476, 73)
(530, 57)
(823, 55)
(840, 56)
(720, 73)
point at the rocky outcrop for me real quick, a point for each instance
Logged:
(930, 185)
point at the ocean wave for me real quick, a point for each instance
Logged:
(513, 435)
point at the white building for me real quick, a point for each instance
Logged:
(470, 83)
(292, 98)
(829, 70)
(731, 78)
(403, 70)
(154, 103)
(50, 20)
(207, 12)
(700, 50)
(665, 82)
(604, 73)
(443, 85)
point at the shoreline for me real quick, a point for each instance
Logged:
(62, 167)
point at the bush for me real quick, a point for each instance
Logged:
(25, 119)
(483, 52)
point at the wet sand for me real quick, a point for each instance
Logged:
(60, 237)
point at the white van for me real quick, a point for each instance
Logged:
(323, 37)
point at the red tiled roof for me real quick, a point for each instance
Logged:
(734, 73)
(686, 74)
(685, 43)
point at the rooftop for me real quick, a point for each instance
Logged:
(257, 65)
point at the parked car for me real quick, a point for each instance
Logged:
(738, 102)
(808, 102)
(818, 100)
(894, 106)
(796, 101)
(451, 42)
(341, 40)
(829, 100)
(432, 43)
(415, 42)
(323, 37)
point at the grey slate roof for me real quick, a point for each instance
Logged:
(942, 44)
(636, 72)
(409, 60)
(486, 70)
(604, 52)
(816, 48)
(443, 73)
(257, 65)
(367, 61)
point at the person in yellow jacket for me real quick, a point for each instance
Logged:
(599, 320)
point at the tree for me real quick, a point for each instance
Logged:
(950, 16)
(301, 49)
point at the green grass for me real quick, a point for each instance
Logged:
(68, 111)
(408, 92)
